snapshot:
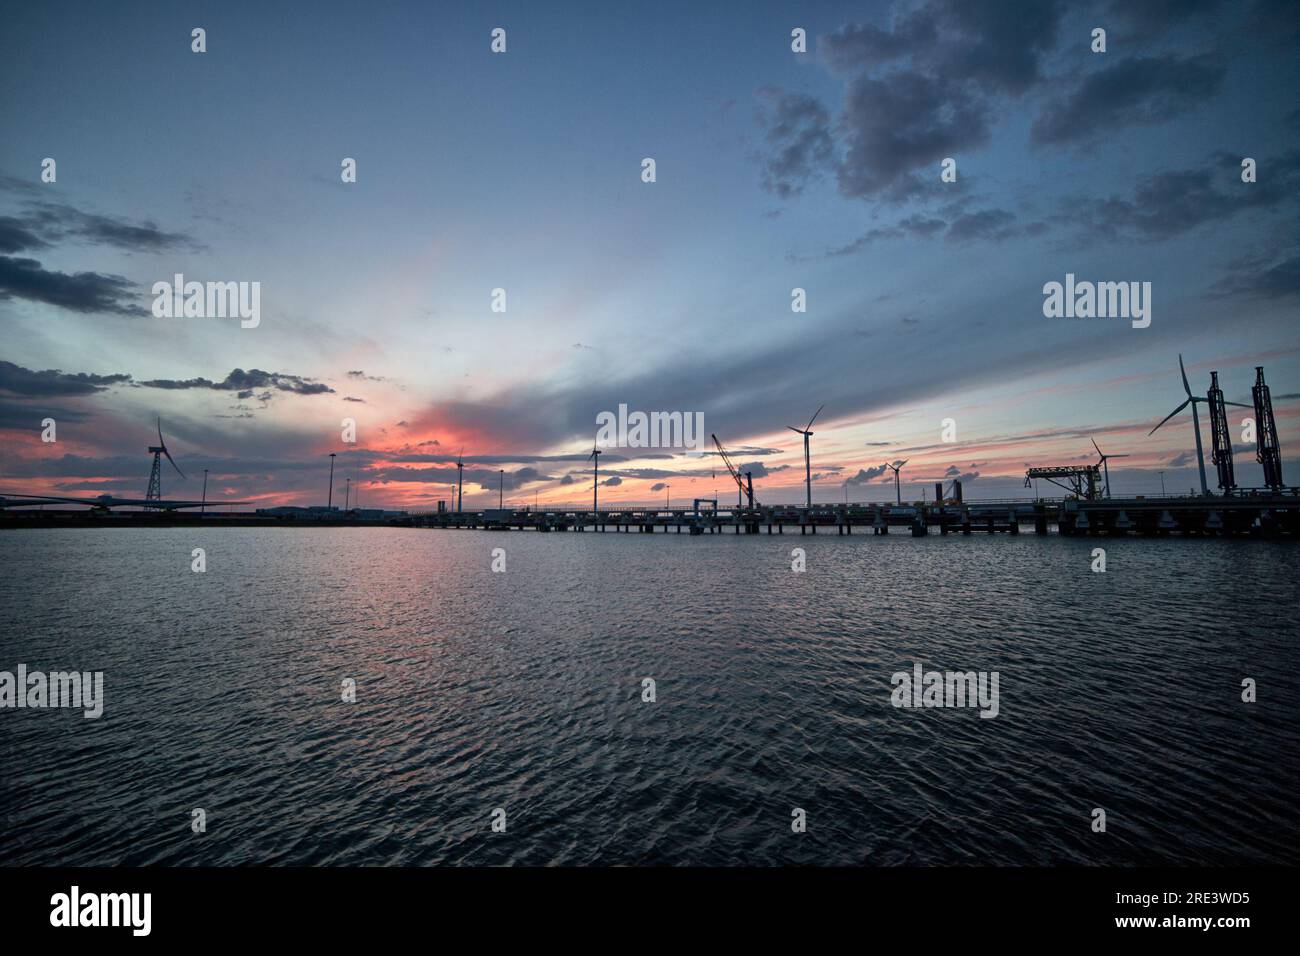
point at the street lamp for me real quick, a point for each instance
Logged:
(501, 492)
(329, 503)
(1162, 483)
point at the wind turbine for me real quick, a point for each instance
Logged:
(155, 475)
(807, 459)
(897, 488)
(1104, 459)
(595, 475)
(1196, 422)
(460, 478)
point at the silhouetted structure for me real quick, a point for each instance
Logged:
(1268, 452)
(1220, 440)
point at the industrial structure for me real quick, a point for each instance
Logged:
(744, 486)
(594, 458)
(807, 457)
(1089, 508)
(1268, 453)
(898, 492)
(1082, 481)
(1194, 400)
(154, 491)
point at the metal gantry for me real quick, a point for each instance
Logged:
(1268, 452)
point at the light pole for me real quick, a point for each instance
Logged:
(1162, 483)
(347, 493)
(501, 491)
(329, 502)
(668, 490)
(204, 506)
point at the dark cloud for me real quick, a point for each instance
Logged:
(41, 224)
(658, 486)
(1139, 91)
(1262, 278)
(989, 225)
(24, 381)
(758, 469)
(1154, 17)
(55, 222)
(613, 482)
(868, 474)
(991, 46)
(918, 91)
(16, 235)
(243, 382)
(29, 415)
(1170, 203)
(349, 398)
(88, 292)
(799, 133)
(894, 125)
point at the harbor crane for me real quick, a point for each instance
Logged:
(1082, 481)
(744, 485)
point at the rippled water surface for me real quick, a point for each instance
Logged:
(522, 690)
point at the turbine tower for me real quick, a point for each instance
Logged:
(897, 487)
(1267, 451)
(460, 478)
(155, 475)
(1196, 422)
(1102, 461)
(807, 459)
(595, 476)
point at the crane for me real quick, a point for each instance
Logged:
(744, 485)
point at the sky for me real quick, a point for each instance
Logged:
(522, 170)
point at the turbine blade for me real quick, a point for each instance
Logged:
(814, 418)
(1119, 456)
(799, 431)
(160, 440)
(174, 465)
(902, 463)
(1238, 405)
(1094, 445)
(1186, 388)
(1169, 416)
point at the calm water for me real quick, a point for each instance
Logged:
(522, 690)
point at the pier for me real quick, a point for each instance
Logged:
(1270, 514)
(1261, 515)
